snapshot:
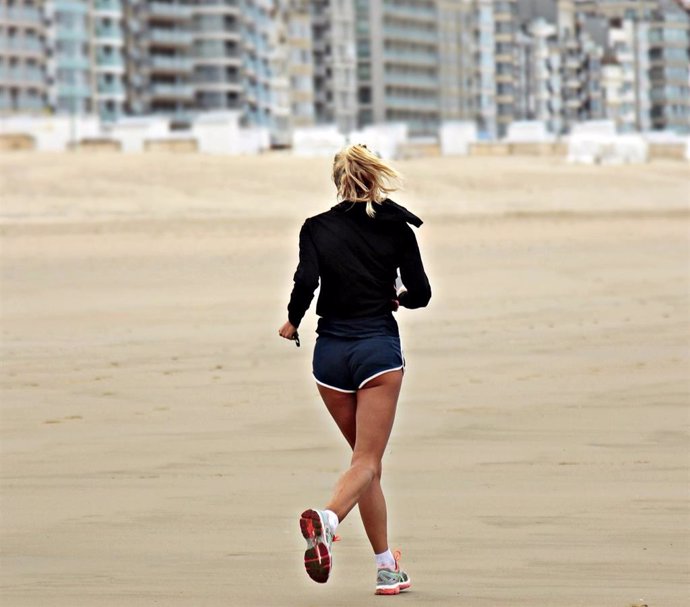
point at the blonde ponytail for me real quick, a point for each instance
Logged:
(361, 176)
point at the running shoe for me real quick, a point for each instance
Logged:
(318, 558)
(392, 581)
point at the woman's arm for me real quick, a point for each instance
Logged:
(412, 274)
(306, 277)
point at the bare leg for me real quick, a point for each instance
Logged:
(372, 504)
(373, 420)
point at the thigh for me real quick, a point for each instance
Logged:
(343, 409)
(375, 414)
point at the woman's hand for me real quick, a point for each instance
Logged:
(287, 331)
(395, 303)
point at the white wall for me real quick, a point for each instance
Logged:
(51, 133)
(456, 137)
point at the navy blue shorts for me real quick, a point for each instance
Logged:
(347, 364)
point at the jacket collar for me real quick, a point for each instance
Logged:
(386, 211)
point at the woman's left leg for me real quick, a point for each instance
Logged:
(375, 413)
(372, 505)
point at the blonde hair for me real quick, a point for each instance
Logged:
(362, 176)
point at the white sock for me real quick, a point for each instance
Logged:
(332, 519)
(385, 559)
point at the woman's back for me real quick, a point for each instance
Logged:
(357, 257)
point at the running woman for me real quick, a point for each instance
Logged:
(356, 250)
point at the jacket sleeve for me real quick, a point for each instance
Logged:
(306, 277)
(412, 273)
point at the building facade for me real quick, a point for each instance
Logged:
(23, 70)
(669, 68)
(283, 64)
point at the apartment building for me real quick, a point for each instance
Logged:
(108, 58)
(669, 67)
(216, 56)
(334, 59)
(619, 75)
(505, 33)
(456, 60)
(539, 83)
(159, 43)
(23, 78)
(398, 63)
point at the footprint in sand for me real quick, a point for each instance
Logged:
(53, 421)
(73, 417)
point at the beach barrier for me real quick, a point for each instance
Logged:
(220, 133)
(668, 151)
(528, 131)
(317, 141)
(489, 148)
(383, 139)
(596, 142)
(668, 146)
(419, 149)
(97, 144)
(17, 142)
(51, 133)
(456, 137)
(170, 144)
(131, 133)
(537, 149)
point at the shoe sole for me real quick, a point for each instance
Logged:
(317, 557)
(388, 590)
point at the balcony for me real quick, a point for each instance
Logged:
(25, 15)
(170, 12)
(410, 33)
(114, 34)
(411, 80)
(410, 56)
(220, 84)
(220, 56)
(424, 103)
(112, 89)
(71, 62)
(73, 34)
(217, 7)
(18, 77)
(110, 63)
(73, 90)
(108, 6)
(219, 30)
(161, 63)
(173, 38)
(172, 91)
(16, 46)
(409, 12)
(70, 6)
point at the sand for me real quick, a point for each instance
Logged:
(159, 439)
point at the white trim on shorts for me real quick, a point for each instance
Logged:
(379, 373)
(332, 387)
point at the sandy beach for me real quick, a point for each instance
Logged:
(159, 440)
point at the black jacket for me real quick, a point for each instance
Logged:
(357, 258)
